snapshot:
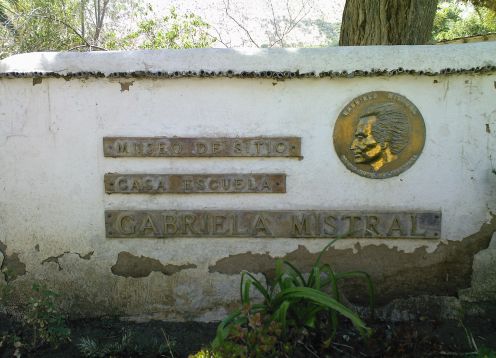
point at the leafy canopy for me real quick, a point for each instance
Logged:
(454, 20)
(61, 25)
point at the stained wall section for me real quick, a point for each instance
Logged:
(52, 191)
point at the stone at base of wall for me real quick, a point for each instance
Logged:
(483, 285)
(418, 308)
(439, 308)
(479, 300)
(480, 309)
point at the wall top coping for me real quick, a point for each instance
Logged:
(250, 62)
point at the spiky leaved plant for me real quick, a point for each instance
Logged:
(291, 303)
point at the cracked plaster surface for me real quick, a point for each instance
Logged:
(55, 259)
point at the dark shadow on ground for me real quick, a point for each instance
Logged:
(421, 338)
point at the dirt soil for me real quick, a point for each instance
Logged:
(425, 338)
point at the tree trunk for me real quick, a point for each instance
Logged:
(387, 22)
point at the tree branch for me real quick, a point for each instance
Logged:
(99, 19)
(274, 23)
(226, 8)
(219, 38)
(70, 27)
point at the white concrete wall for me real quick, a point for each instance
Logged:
(52, 165)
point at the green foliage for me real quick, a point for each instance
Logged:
(205, 353)
(171, 31)
(61, 25)
(294, 309)
(5, 291)
(489, 4)
(127, 346)
(92, 349)
(453, 20)
(38, 25)
(45, 319)
(485, 352)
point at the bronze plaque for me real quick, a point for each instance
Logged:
(272, 224)
(194, 183)
(379, 134)
(202, 147)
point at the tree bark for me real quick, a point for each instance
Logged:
(387, 22)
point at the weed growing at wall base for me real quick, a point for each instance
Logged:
(44, 317)
(299, 313)
(40, 324)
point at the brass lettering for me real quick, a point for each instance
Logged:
(235, 226)
(330, 221)
(148, 184)
(352, 225)
(261, 226)
(126, 224)
(257, 145)
(252, 185)
(148, 225)
(215, 147)
(149, 148)
(176, 148)
(136, 185)
(271, 223)
(239, 184)
(201, 148)
(218, 222)
(213, 184)
(371, 223)
(201, 184)
(226, 184)
(187, 184)
(301, 226)
(122, 184)
(280, 147)
(194, 183)
(265, 185)
(122, 148)
(395, 227)
(415, 227)
(170, 224)
(161, 184)
(189, 221)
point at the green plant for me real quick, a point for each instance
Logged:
(453, 20)
(294, 309)
(44, 317)
(485, 352)
(482, 352)
(92, 349)
(5, 293)
(166, 349)
(175, 30)
(127, 345)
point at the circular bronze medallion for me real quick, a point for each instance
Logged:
(379, 134)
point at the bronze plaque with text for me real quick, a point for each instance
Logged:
(202, 147)
(379, 134)
(272, 224)
(194, 183)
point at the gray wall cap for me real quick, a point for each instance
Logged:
(431, 59)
